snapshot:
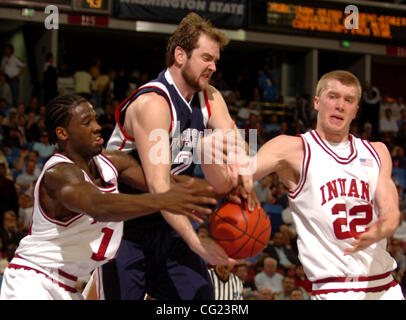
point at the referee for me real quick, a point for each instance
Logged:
(227, 286)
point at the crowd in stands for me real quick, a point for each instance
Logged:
(255, 103)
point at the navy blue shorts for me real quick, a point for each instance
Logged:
(156, 261)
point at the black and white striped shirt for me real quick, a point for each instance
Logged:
(230, 289)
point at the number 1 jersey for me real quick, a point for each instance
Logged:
(73, 247)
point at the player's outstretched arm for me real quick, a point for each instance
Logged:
(386, 198)
(226, 177)
(73, 194)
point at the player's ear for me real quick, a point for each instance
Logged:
(356, 111)
(179, 55)
(316, 102)
(61, 133)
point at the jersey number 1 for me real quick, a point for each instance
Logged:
(340, 223)
(99, 255)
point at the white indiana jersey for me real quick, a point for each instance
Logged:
(333, 202)
(66, 250)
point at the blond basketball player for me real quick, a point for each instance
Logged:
(77, 211)
(343, 200)
(342, 197)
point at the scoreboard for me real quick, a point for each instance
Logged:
(384, 24)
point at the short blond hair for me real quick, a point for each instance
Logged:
(345, 77)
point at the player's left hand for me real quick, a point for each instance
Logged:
(240, 193)
(374, 233)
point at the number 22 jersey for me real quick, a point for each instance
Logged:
(332, 204)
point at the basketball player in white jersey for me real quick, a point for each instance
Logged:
(78, 214)
(343, 200)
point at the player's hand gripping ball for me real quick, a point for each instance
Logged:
(242, 234)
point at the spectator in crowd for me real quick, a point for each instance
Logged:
(288, 226)
(397, 106)
(50, 75)
(41, 112)
(296, 294)
(8, 193)
(25, 203)
(266, 87)
(279, 194)
(269, 277)
(400, 232)
(263, 189)
(3, 261)
(21, 125)
(44, 148)
(282, 252)
(244, 113)
(227, 286)
(288, 284)
(133, 81)
(4, 107)
(100, 89)
(366, 133)
(241, 271)
(303, 110)
(13, 68)
(265, 293)
(11, 117)
(273, 126)
(396, 251)
(25, 179)
(387, 124)
(398, 157)
(94, 69)
(14, 139)
(9, 232)
(31, 128)
(301, 280)
(82, 83)
(5, 90)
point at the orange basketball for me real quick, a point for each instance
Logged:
(242, 234)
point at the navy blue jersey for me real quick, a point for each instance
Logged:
(188, 122)
(189, 119)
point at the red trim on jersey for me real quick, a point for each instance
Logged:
(353, 279)
(118, 112)
(372, 150)
(390, 284)
(123, 144)
(180, 168)
(124, 104)
(60, 284)
(393, 283)
(206, 99)
(353, 153)
(108, 162)
(67, 275)
(305, 166)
